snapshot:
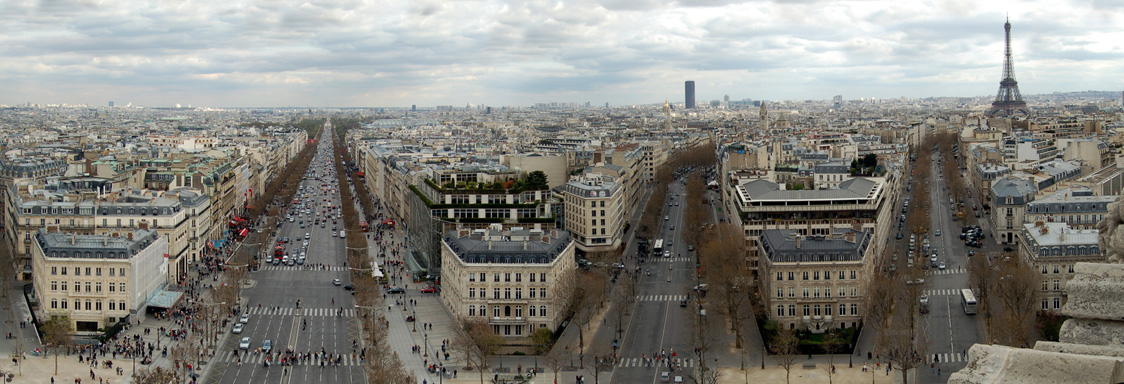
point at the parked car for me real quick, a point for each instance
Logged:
(396, 290)
(429, 290)
(336, 282)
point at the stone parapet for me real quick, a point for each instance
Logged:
(1080, 349)
(995, 364)
(1096, 291)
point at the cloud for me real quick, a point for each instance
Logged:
(495, 52)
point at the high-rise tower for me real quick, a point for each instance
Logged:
(1009, 101)
(689, 88)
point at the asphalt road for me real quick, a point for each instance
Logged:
(660, 323)
(950, 332)
(323, 322)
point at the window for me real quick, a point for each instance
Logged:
(507, 277)
(842, 292)
(780, 310)
(807, 310)
(54, 304)
(54, 271)
(531, 292)
(827, 292)
(89, 305)
(791, 276)
(531, 276)
(842, 275)
(87, 271)
(1055, 269)
(542, 277)
(1045, 304)
(63, 303)
(805, 275)
(1044, 269)
(854, 309)
(780, 275)
(780, 291)
(816, 292)
(791, 291)
(472, 310)
(97, 272)
(64, 271)
(495, 293)
(1071, 268)
(77, 271)
(120, 271)
(121, 305)
(496, 311)
(112, 271)
(471, 292)
(54, 285)
(507, 293)
(1057, 285)
(471, 278)
(827, 275)
(63, 285)
(495, 277)
(97, 287)
(1045, 285)
(89, 286)
(542, 310)
(816, 310)
(1057, 303)
(97, 305)
(854, 276)
(519, 311)
(121, 287)
(816, 275)
(854, 291)
(805, 292)
(532, 310)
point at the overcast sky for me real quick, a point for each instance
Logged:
(453, 52)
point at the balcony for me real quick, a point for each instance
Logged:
(507, 301)
(507, 321)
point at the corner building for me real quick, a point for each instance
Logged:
(97, 280)
(517, 281)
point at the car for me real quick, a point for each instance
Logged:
(942, 266)
(429, 290)
(667, 218)
(300, 260)
(701, 287)
(336, 282)
(672, 228)
(938, 233)
(291, 262)
(396, 290)
(900, 236)
(348, 287)
(276, 261)
(244, 319)
(237, 328)
(343, 234)
(690, 247)
(665, 377)
(682, 303)
(307, 235)
(666, 253)
(244, 343)
(267, 346)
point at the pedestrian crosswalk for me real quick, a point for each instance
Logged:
(951, 357)
(663, 297)
(265, 311)
(270, 267)
(670, 259)
(934, 272)
(249, 357)
(640, 362)
(942, 292)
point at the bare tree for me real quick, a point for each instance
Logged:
(832, 344)
(599, 361)
(879, 300)
(556, 359)
(723, 257)
(785, 348)
(1017, 290)
(475, 339)
(904, 348)
(57, 335)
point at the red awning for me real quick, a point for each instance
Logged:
(239, 219)
(244, 232)
(233, 223)
(388, 222)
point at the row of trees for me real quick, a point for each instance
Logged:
(381, 361)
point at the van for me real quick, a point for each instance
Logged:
(665, 377)
(678, 380)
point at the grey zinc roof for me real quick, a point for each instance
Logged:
(780, 247)
(474, 249)
(58, 244)
(1014, 188)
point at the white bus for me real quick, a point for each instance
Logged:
(658, 249)
(968, 301)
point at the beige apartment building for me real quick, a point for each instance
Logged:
(593, 212)
(97, 280)
(518, 281)
(815, 282)
(1053, 249)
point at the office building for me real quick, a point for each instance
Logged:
(690, 90)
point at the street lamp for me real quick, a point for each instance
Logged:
(425, 341)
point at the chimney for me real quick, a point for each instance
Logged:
(105, 240)
(73, 238)
(129, 235)
(849, 236)
(798, 237)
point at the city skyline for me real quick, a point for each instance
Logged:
(395, 54)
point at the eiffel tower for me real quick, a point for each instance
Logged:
(1009, 101)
